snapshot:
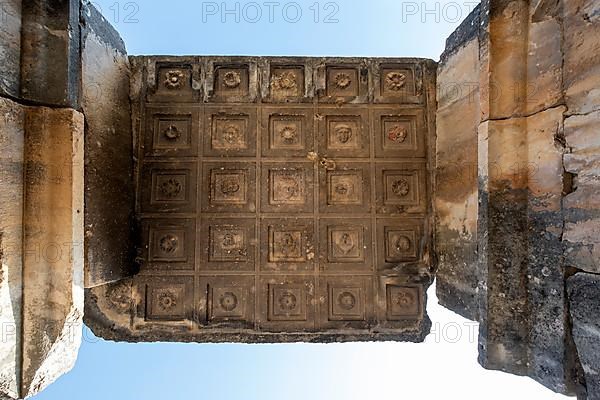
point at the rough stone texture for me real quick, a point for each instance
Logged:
(582, 204)
(458, 117)
(10, 47)
(109, 152)
(41, 285)
(581, 55)
(11, 243)
(584, 300)
(212, 265)
(50, 52)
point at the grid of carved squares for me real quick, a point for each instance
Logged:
(396, 82)
(230, 244)
(284, 302)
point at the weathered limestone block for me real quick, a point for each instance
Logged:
(10, 47)
(50, 52)
(109, 152)
(458, 117)
(582, 55)
(582, 204)
(42, 242)
(584, 300)
(11, 243)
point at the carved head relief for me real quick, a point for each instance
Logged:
(288, 244)
(346, 301)
(232, 79)
(401, 187)
(345, 243)
(397, 134)
(395, 81)
(403, 244)
(343, 133)
(228, 301)
(173, 79)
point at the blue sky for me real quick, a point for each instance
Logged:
(444, 366)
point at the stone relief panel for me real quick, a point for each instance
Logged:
(399, 133)
(169, 244)
(228, 244)
(230, 187)
(344, 133)
(171, 131)
(169, 187)
(287, 132)
(288, 187)
(272, 210)
(232, 132)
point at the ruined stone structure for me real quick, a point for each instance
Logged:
(251, 199)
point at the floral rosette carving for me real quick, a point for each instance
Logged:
(395, 81)
(174, 79)
(232, 79)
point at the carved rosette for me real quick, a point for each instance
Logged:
(232, 79)
(228, 301)
(397, 134)
(171, 188)
(286, 81)
(395, 81)
(169, 244)
(167, 300)
(287, 301)
(173, 79)
(401, 187)
(342, 80)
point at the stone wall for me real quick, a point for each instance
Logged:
(537, 220)
(58, 58)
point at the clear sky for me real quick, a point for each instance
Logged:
(443, 367)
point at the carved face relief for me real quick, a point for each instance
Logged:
(401, 187)
(397, 134)
(345, 243)
(403, 244)
(395, 81)
(343, 133)
(169, 244)
(346, 301)
(404, 299)
(232, 79)
(288, 244)
(173, 79)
